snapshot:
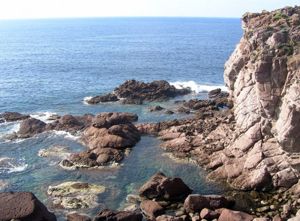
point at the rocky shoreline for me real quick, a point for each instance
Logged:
(248, 138)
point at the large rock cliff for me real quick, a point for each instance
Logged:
(263, 77)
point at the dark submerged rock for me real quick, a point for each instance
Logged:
(136, 92)
(13, 116)
(102, 99)
(156, 108)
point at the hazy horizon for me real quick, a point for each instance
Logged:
(59, 9)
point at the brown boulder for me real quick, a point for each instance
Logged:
(151, 208)
(23, 206)
(209, 214)
(231, 215)
(110, 215)
(161, 187)
(31, 127)
(196, 202)
(13, 116)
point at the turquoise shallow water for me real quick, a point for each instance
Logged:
(50, 66)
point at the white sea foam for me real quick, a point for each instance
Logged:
(86, 100)
(65, 134)
(197, 88)
(44, 116)
(7, 129)
(10, 165)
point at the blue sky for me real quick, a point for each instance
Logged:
(18, 9)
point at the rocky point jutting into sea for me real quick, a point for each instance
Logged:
(247, 138)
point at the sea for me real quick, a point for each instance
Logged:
(52, 66)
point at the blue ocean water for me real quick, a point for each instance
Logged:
(50, 66)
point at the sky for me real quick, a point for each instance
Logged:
(28, 9)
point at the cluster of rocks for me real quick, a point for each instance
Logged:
(107, 138)
(136, 92)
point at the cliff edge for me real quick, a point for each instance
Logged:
(263, 77)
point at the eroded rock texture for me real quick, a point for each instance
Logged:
(263, 77)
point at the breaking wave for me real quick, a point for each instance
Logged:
(44, 116)
(11, 165)
(197, 88)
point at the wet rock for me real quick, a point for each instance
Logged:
(214, 93)
(136, 92)
(231, 215)
(217, 93)
(151, 208)
(23, 206)
(31, 127)
(156, 108)
(161, 187)
(107, 155)
(13, 116)
(196, 202)
(110, 215)
(75, 195)
(78, 217)
(103, 99)
(169, 112)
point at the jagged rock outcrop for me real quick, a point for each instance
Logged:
(107, 137)
(263, 77)
(136, 92)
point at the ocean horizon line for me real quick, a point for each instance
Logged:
(116, 17)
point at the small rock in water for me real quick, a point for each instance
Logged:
(156, 108)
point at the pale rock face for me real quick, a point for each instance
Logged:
(263, 77)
